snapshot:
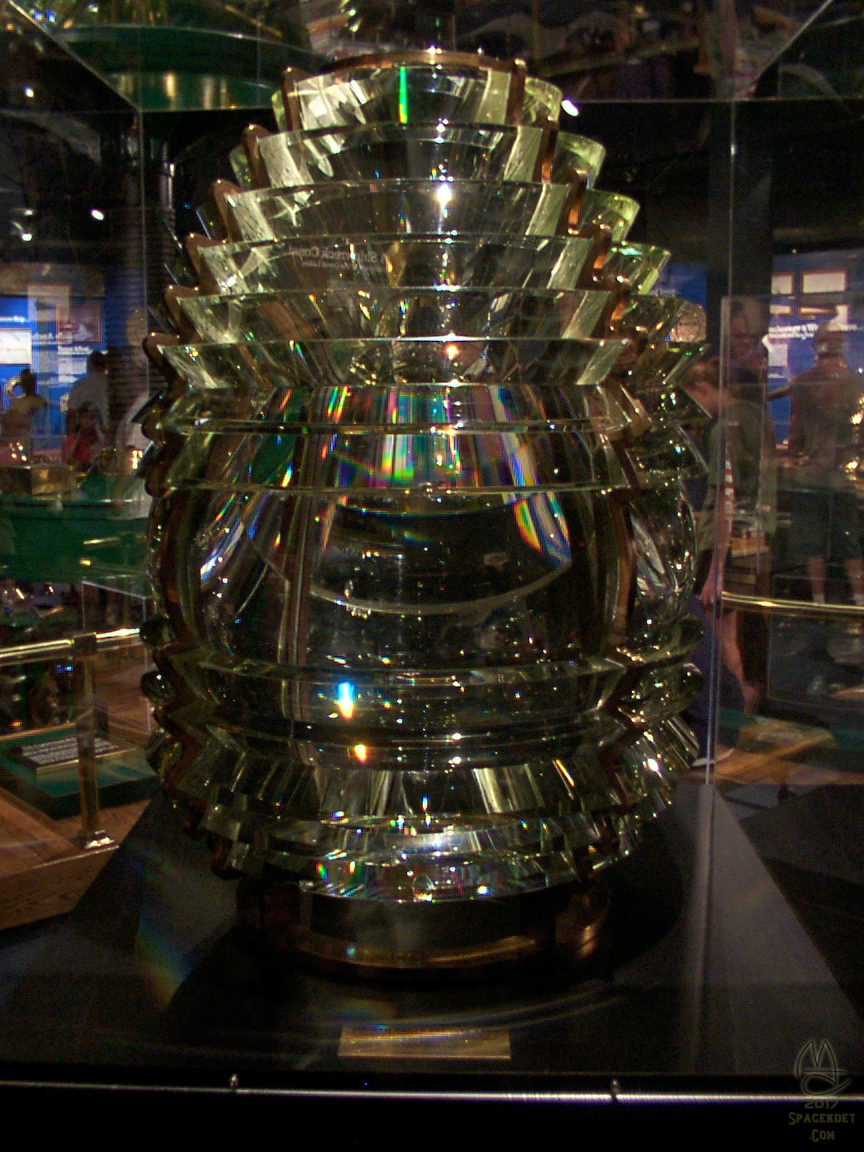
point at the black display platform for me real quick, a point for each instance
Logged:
(707, 979)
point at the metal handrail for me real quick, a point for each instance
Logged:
(796, 609)
(65, 645)
(80, 648)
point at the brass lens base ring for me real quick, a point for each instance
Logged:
(372, 939)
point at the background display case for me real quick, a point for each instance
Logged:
(737, 931)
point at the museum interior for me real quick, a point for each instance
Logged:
(274, 278)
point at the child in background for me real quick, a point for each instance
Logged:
(82, 446)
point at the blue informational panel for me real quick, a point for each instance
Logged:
(52, 331)
(16, 336)
(689, 280)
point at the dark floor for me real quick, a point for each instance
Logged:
(20, 948)
(810, 840)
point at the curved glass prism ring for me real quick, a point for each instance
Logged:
(420, 543)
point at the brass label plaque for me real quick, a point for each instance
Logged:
(425, 1044)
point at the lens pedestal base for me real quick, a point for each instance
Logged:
(372, 938)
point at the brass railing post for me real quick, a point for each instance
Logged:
(83, 651)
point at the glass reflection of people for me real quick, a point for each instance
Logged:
(733, 445)
(747, 357)
(714, 505)
(824, 449)
(754, 451)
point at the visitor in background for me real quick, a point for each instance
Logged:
(91, 389)
(16, 423)
(29, 405)
(82, 446)
(824, 451)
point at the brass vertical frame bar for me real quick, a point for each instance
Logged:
(83, 651)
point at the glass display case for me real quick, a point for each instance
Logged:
(730, 962)
(793, 371)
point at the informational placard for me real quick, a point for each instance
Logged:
(16, 346)
(58, 752)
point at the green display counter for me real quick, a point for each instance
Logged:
(96, 533)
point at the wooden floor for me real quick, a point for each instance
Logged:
(44, 868)
(783, 753)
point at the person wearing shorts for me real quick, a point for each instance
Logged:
(823, 446)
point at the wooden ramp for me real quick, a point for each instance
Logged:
(44, 870)
(783, 752)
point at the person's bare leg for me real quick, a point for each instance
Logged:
(727, 626)
(855, 575)
(816, 573)
(730, 653)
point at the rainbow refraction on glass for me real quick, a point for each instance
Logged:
(420, 545)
